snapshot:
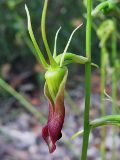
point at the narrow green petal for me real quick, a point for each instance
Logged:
(68, 43)
(55, 44)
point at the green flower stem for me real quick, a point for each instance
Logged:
(52, 61)
(38, 51)
(114, 84)
(87, 82)
(22, 100)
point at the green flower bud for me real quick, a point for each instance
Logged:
(54, 78)
(109, 8)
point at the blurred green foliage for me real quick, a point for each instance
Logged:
(15, 44)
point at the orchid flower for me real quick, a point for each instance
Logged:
(56, 77)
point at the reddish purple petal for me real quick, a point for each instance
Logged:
(51, 132)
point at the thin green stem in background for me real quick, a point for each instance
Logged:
(22, 100)
(87, 82)
(114, 73)
(114, 84)
(103, 111)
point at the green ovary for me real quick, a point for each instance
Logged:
(54, 78)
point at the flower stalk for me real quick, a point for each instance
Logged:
(87, 82)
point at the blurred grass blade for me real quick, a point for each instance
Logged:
(79, 133)
(22, 100)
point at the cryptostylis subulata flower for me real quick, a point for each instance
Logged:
(54, 91)
(56, 77)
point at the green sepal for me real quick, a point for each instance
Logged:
(38, 53)
(44, 37)
(71, 58)
(54, 78)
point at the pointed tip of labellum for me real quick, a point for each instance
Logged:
(48, 140)
(51, 132)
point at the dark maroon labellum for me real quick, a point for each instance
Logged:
(51, 132)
